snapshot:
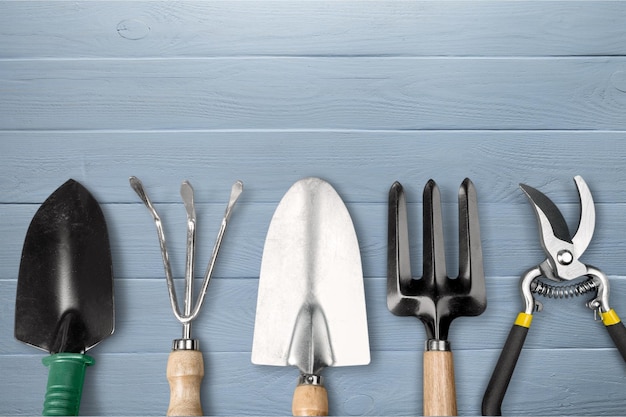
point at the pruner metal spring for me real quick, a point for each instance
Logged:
(190, 313)
(563, 291)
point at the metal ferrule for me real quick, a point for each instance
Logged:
(310, 379)
(437, 345)
(186, 344)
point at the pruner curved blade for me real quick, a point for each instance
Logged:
(563, 250)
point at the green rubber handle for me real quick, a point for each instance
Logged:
(65, 383)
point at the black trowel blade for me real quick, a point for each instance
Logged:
(64, 299)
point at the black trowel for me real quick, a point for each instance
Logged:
(64, 302)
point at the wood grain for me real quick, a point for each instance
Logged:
(438, 384)
(310, 400)
(509, 233)
(311, 28)
(185, 372)
(360, 164)
(314, 93)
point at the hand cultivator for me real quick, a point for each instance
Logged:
(436, 299)
(561, 265)
(185, 366)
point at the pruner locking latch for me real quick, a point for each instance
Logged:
(562, 263)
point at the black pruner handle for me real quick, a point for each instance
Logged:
(499, 382)
(616, 330)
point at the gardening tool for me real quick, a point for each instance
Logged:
(64, 302)
(561, 265)
(311, 303)
(436, 299)
(185, 365)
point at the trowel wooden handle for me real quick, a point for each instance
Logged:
(185, 370)
(439, 388)
(310, 400)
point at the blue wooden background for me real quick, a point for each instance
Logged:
(359, 93)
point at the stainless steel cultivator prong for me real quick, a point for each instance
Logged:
(435, 298)
(186, 192)
(191, 310)
(235, 192)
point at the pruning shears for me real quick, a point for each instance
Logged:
(561, 264)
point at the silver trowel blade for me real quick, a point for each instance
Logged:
(311, 302)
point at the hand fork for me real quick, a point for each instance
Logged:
(434, 298)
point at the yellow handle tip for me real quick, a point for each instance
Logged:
(524, 320)
(610, 318)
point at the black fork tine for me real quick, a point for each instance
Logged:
(399, 262)
(471, 273)
(435, 298)
(434, 248)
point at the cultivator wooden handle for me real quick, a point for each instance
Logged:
(185, 370)
(439, 387)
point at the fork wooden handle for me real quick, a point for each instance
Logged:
(439, 387)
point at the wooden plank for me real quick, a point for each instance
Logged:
(361, 165)
(508, 232)
(546, 382)
(288, 28)
(145, 323)
(315, 93)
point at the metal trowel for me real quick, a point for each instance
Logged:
(311, 303)
(64, 302)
